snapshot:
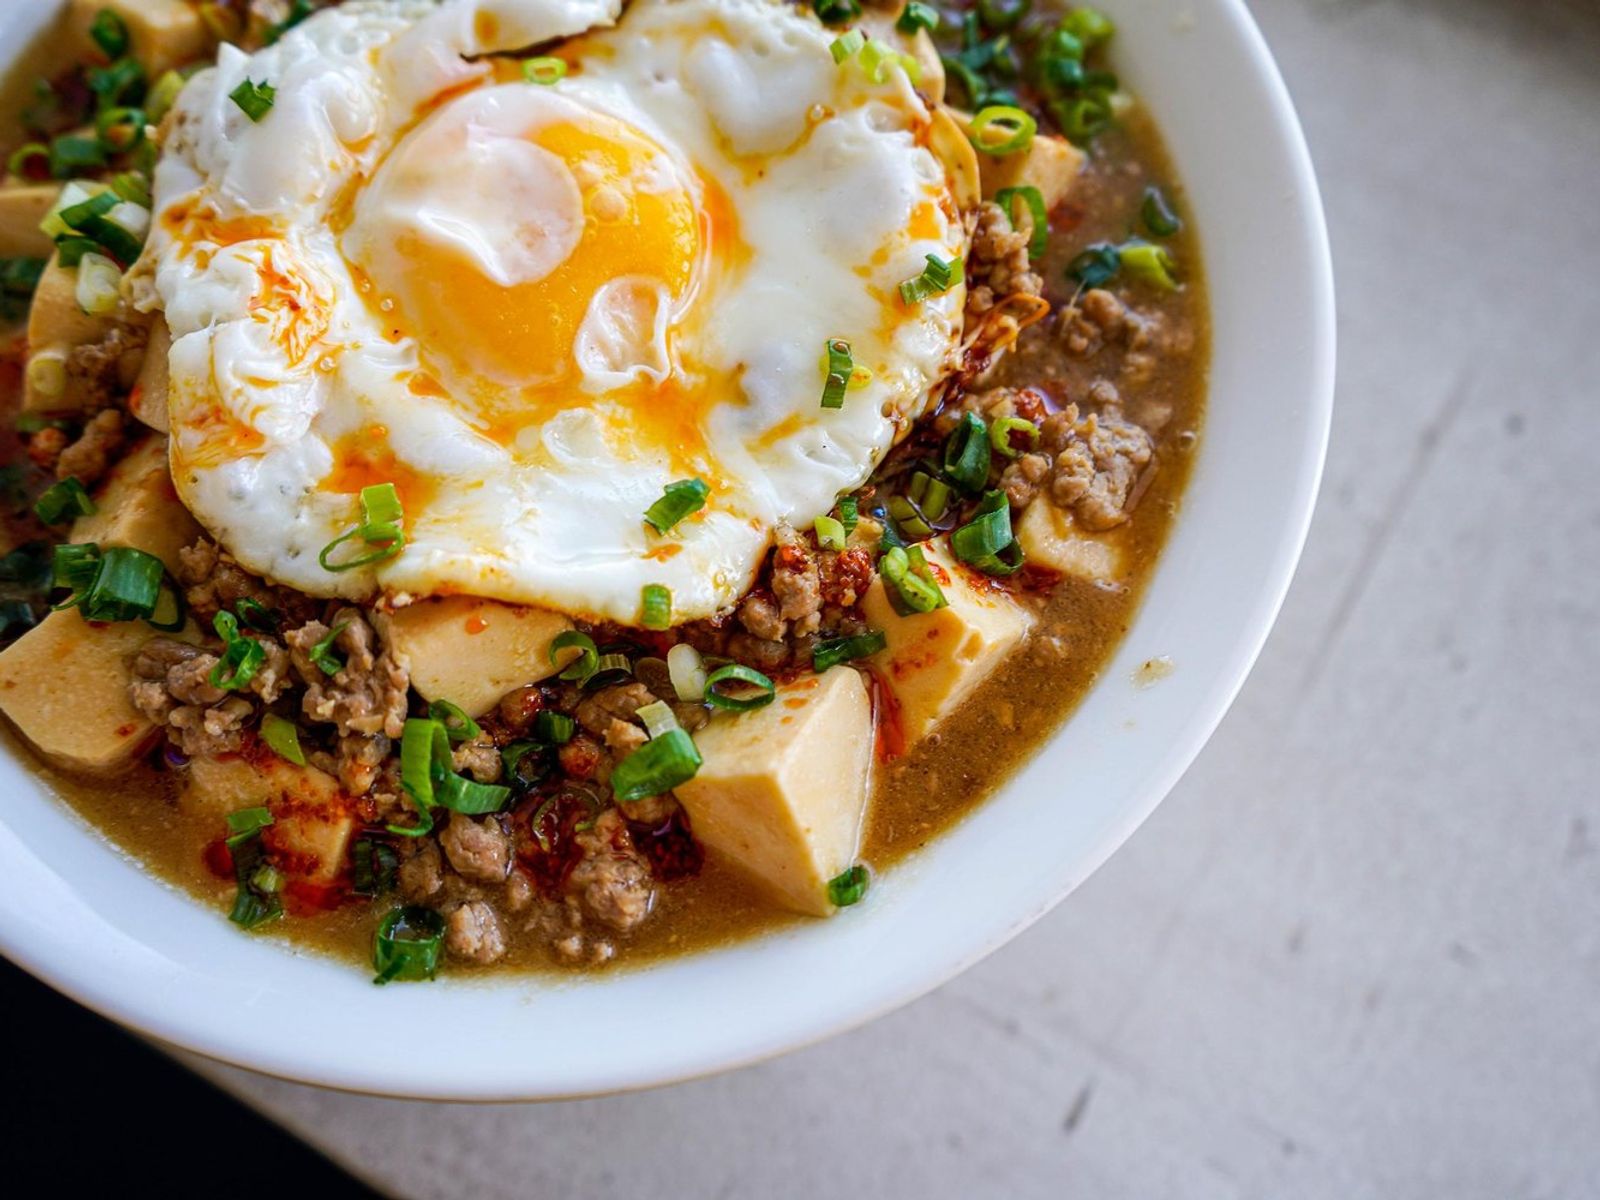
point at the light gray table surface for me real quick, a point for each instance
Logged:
(1357, 951)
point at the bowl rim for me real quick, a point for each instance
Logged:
(78, 967)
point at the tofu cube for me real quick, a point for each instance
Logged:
(933, 661)
(22, 207)
(137, 505)
(56, 326)
(471, 652)
(783, 788)
(64, 684)
(313, 820)
(1051, 538)
(164, 33)
(1051, 164)
(148, 399)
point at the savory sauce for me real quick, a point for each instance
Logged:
(918, 795)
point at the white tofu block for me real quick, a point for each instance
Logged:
(1051, 538)
(137, 505)
(148, 399)
(933, 661)
(471, 652)
(64, 684)
(22, 207)
(56, 326)
(164, 33)
(313, 819)
(783, 788)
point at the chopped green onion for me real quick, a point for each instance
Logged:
(132, 187)
(1149, 264)
(126, 587)
(967, 454)
(734, 673)
(1002, 431)
(1001, 15)
(374, 867)
(99, 286)
(1089, 26)
(428, 777)
(836, 12)
(30, 161)
(97, 219)
(937, 277)
(876, 58)
(74, 566)
(380, 528)
(544, 70)
(611, 668)
(848, 887)
(656, 607)
(931, 496)
(841, 366)
(322, 654)
(70, 251)
(677, 501)
(120, 129)
(284, 738)
(1081, 119)
(849, 514)
(526, 763)
(457, 725)
(254, 99)
(1033, 199)
(1096, 265)
(909, 582)
(122, 82)
(917, 15)
(658, 718)
(171, 612)
(986, 542)
(553, 728)
(658, 766)
(830, 652)
(909, 520)
(406, 945)
(847, 44)
(109, 33)
(241, 656)
(257, 615)
(1157, 214)
(246, 823)
(830, 534)
(687, 672)
(1002, 129)
(163, 95)
(72, 154)
(63, 501)
(468, 796)
(588, 660)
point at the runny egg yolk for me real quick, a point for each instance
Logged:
(495, 286)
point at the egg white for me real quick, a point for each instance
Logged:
(269, 236)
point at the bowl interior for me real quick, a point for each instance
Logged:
(80, 915)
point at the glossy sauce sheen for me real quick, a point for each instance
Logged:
(918, 796)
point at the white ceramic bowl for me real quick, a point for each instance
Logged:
(79, 915)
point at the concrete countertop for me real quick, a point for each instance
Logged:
(1357, 952)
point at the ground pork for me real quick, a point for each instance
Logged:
(208, 732)
(472, 933)
(612, 880)
(90, 456)
(172, 686)
(609, 715)
(480, 759)
(98, 371)
(368, 694)
(479, 850)
(421, 874)
(213, 580)
(997, 263)
(1098, 461)
(796, 582)
(360, 760)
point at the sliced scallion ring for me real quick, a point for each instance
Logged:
(909, 582)
(658, 718)
(120, 129)
(830, 652)
(241, 656)
(841, 366)
(553, 728)
(406, 945)
(937, 277)
(830, 533)
(658, 766)
(63, 501)
(1001, 129)
(836, 12)
(677, 501)
(1149, 264)
(457, 725)
(380, 528)
(687, 671)
(588, 660)
(849, 513)
(322, 654)
(126, 586)
(846, 45)
(986, 542)
(734, 673)
(848, 887)
(967, 454)
(917, 15)
(1157, 215)
(1033, 200)
(29, 161)
(544, 70)
(655, 610)
(1005, 430)
(245, 823)
(254, 99)
(283, 736)
(109, 33)
(1095, 266)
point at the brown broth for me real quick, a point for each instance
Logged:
(918, 797)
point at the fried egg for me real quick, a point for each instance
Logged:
(531, 307)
